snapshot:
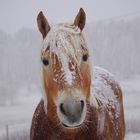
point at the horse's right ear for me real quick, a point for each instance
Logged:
(80, 19)
(43, 24)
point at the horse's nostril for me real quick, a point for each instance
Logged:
(82, 105)
(62, 109)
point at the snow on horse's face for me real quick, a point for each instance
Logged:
(65, 71)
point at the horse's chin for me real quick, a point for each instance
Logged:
(74, 127)
(71, 127)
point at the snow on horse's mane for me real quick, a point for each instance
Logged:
(66, 41)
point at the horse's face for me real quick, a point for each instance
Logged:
(65, 71)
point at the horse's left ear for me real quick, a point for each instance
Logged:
(80, 19)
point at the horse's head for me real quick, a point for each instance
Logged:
(65, 70)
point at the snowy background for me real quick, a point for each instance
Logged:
(114, 38)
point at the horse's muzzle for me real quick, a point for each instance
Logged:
(72, 112)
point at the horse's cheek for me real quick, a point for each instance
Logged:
(86, 80)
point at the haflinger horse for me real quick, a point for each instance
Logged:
(72, 107)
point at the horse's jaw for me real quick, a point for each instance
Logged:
(92, 98)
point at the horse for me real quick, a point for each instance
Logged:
(78, 103)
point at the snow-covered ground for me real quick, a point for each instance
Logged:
(18, 116)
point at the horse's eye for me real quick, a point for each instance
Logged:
(85, 57)
(45, 62)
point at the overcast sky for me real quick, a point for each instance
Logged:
(15, 14)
